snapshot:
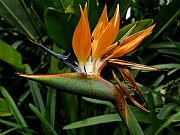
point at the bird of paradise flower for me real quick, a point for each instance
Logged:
(93, 53)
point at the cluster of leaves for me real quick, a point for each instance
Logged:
(51, 23)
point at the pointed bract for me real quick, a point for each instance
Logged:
(101, 25)
(131, 82)
(127, 93)
(133, 65)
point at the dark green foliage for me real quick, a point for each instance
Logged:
(52, 23)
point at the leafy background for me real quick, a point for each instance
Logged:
(27, 107)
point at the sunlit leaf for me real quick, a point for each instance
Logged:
(11, 56)
(4, 109)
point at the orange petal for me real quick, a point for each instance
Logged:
(108, 36)
(101, 25)
(131, 42)
(81, 41)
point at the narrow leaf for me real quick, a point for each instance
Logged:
(173, 118)
(48, 127)
(35, 90)
(14, 13)
(93, 121)
(18, 116)
(139, 115)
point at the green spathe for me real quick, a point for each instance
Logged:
(85, 85)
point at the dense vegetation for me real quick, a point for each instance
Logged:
(28, 107)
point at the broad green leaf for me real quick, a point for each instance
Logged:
(48, 127)
(4, 109)
(60, 27)
(14, 109)
(173, 118)
(60, 5)
(141, 26)
(41, 5)
(15, 14)
(11, 56)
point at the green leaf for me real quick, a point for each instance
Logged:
(14, 13)
(158, 80)
(41, 5)
(171, 98)
(48, 127)
(166, 110)
(168, 66)
(36, 92)
(11, 56)
(9, 123)
(163, 20)
(173, 118)
(94, 121)
(4, 109)
(60, 27)
(14, 109)
(154, 120)
(139, 115)
(133, 126)
(96, 101)
(164, 45)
